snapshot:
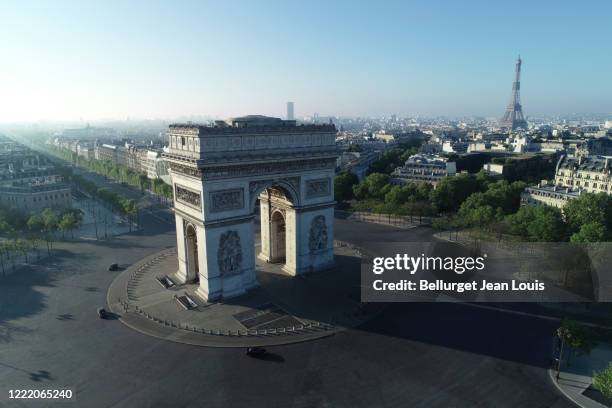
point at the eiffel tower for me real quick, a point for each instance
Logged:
(513, 118)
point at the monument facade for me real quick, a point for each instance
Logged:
(222, 171)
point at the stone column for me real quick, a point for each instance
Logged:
(228, 267)
(264, 253)
(292, 239)
(181, 273)
(315, 249)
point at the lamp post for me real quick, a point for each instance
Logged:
(564, 334)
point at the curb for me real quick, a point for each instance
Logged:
(205, 340)
(551, 374)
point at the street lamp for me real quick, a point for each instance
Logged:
(563, 333)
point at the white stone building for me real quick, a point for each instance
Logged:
(549, 194)
(423, 168)
(591, 173)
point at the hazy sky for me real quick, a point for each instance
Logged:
(64, 60)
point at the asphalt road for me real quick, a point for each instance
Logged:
(423, 355)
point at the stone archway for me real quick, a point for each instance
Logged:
(277, 237)
(220, 171)
(191, 250)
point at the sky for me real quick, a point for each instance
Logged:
(95, 60)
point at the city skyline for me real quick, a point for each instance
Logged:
(157, 61)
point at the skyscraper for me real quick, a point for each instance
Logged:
(290, 111)
(513, 118)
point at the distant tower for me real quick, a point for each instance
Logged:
(290, 111)
(513, 118)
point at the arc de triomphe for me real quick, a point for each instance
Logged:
(219, 172)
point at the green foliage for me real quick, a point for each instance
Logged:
(392, 159)
(538, 224)
(374, 186)
(49, 219)
(35, 223)
(159, 187)
(343, 186)
(602, 381)
(69, 222)
(482, 208)
(452, 191)
(590, 232)
(589, 208)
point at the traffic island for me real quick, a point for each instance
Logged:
(283, 309)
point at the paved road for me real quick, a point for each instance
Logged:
(429, 355)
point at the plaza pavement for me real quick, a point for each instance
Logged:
(143, 304)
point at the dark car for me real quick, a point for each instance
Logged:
(113, 267)
(255, 351)
(102, 313)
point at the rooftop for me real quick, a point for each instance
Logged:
(252, 123)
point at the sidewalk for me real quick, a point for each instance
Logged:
(575, 381)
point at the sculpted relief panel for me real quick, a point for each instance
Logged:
(318, 188)
(188, 197)
(250, 170)
(229, 254)
(227, 200)
(317, 239)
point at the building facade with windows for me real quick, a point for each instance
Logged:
(591, 173)
(548, 194)
(34, 194)
(423, 168)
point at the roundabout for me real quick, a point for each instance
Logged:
(282, 309)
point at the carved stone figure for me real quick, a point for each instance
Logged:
(229, 254)
(187, 196)
(317, 188)
(318, 234)
(227, 200)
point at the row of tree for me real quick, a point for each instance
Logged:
(482, 202)
(27, 237)
(118, 173)
(587, 218)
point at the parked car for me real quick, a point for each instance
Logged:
(255, 351)
(113, 267)
(102, 313)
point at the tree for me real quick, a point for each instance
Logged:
(602, 381)
(452, 191)
(23, 247)
(397, 196)
(35, 223)
(580, 338)
(143, 182)
(49, 219)
(589, 208)
(131, 210)
(343, 186)
(538, 224)
(68, 223)
(375, 186)
(590, 232)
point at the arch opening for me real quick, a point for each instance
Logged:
(191, 246)
(278, 244)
